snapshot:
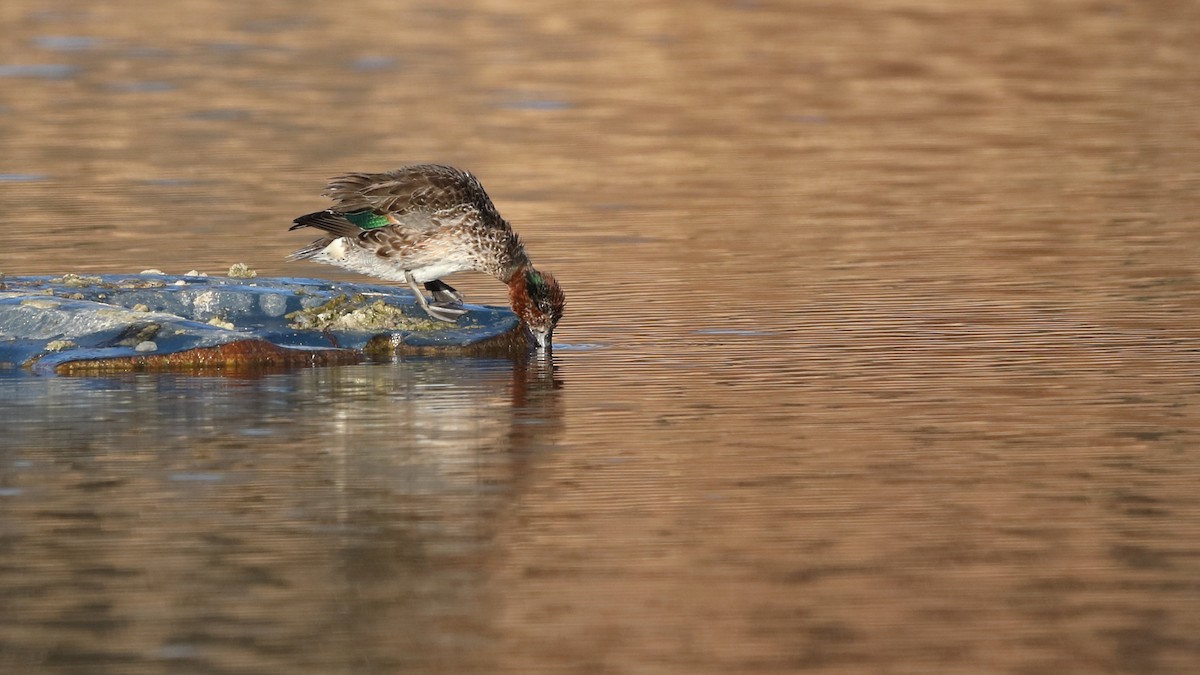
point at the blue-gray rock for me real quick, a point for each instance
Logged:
(113, 322)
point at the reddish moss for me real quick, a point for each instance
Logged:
(240, 355)
(258, 355)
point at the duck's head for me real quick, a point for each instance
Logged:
(538, 301)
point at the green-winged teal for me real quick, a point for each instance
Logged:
(420, 223)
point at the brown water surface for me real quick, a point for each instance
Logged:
(880, 353)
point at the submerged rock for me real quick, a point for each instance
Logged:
(106, 323)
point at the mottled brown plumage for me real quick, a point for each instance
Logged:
(419, 223)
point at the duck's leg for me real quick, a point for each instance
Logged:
(443, 293)
(440, 313)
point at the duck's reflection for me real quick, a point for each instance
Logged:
(335, 518)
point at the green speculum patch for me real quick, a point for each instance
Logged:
(367, 220)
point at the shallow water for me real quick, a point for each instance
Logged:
(880, 352)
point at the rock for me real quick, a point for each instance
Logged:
(109, 323)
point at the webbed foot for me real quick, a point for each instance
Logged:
(443, 293)
(437, 310)
(443, 313)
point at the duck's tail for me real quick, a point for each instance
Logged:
(308, 251)
(327, 221)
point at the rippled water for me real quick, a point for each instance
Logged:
(880, 351)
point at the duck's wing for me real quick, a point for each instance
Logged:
(417, 197)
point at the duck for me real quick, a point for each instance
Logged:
(419, 223)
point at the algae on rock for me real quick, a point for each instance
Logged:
(241, 271)
(343, 312)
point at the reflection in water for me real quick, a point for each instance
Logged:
(223, 522)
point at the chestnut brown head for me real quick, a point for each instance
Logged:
(538, 301)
